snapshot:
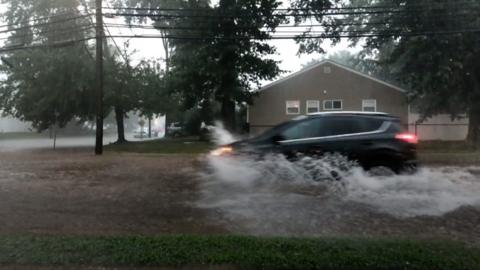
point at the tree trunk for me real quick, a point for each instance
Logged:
(149, 127)
(473, 136)
(119, 117)
(228, 114)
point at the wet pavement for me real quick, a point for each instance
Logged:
(74, 192)
(70, 191)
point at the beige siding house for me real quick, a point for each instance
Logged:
(326, 86)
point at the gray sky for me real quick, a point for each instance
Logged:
(287, 49)
(153, 48)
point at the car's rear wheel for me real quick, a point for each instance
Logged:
(384, 164)
(381, 171)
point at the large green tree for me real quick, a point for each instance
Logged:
(51, 83)
(434, 49)
(219, 53)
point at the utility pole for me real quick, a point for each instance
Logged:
(99, 77)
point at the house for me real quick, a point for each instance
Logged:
(325, 86)
(330, 86)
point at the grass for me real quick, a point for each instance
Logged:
(431, 152)
(452, 158)
(163, 146)
(448, 153)
(445, 146)
(238, 251)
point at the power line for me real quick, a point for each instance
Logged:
(42, 24)
(115, 43)
(297, 32)
(325, 36)
(285, 15)
(425, 4)
(301, 26)
(65, 43)
(44, 18)
(203, 38)
(56, 32)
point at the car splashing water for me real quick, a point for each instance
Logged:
(317, 195)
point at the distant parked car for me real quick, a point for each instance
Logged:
(372, 139)
(175, 129)
(140, 134)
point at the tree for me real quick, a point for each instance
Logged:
(435, 52)
(227, 55)
(50, 84)
(122, 86)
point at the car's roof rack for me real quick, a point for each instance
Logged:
(350, 112)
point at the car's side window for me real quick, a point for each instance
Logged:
(338, 126)
(371, 124)
(304, 129)
(330, 126)
(350, 125)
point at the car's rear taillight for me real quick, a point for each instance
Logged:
(407, 137)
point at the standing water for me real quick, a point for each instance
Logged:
(332, 195)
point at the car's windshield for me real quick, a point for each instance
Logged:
(239, 134)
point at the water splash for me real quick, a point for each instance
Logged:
(233, 183)
(220, 135)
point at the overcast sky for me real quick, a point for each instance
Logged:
(287, 49)
(153, 48)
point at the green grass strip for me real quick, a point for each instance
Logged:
(163, 146)
(238, 251)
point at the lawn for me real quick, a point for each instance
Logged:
(448, 153)
(445, 146)
(435, 152)
(236, 251)
(164, 146)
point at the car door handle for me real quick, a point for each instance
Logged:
(369, 143)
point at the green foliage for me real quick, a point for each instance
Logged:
(237, 251)
(52, 84)
(215, 66)
(55, 84)
(430, 48)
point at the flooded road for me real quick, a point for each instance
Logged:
(278, 197)
(72, 192)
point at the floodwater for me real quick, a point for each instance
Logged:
(74, 192)
(277, 197)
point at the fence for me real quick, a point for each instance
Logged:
(439, 131)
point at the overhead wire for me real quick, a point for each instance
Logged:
(24, 23)
(299, 34)
(424, 4)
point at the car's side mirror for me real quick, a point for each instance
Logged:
(277, 139)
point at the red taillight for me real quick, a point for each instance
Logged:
(407, 137)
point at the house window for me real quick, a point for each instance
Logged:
(313, 106)
(369, 105)
(331, 105)
(327, 70)
(293, 106)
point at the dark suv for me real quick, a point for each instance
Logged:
(371, 139)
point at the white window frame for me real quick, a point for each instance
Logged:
(369, 100)
(307, 107)
(333, 109)
(299, 107)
